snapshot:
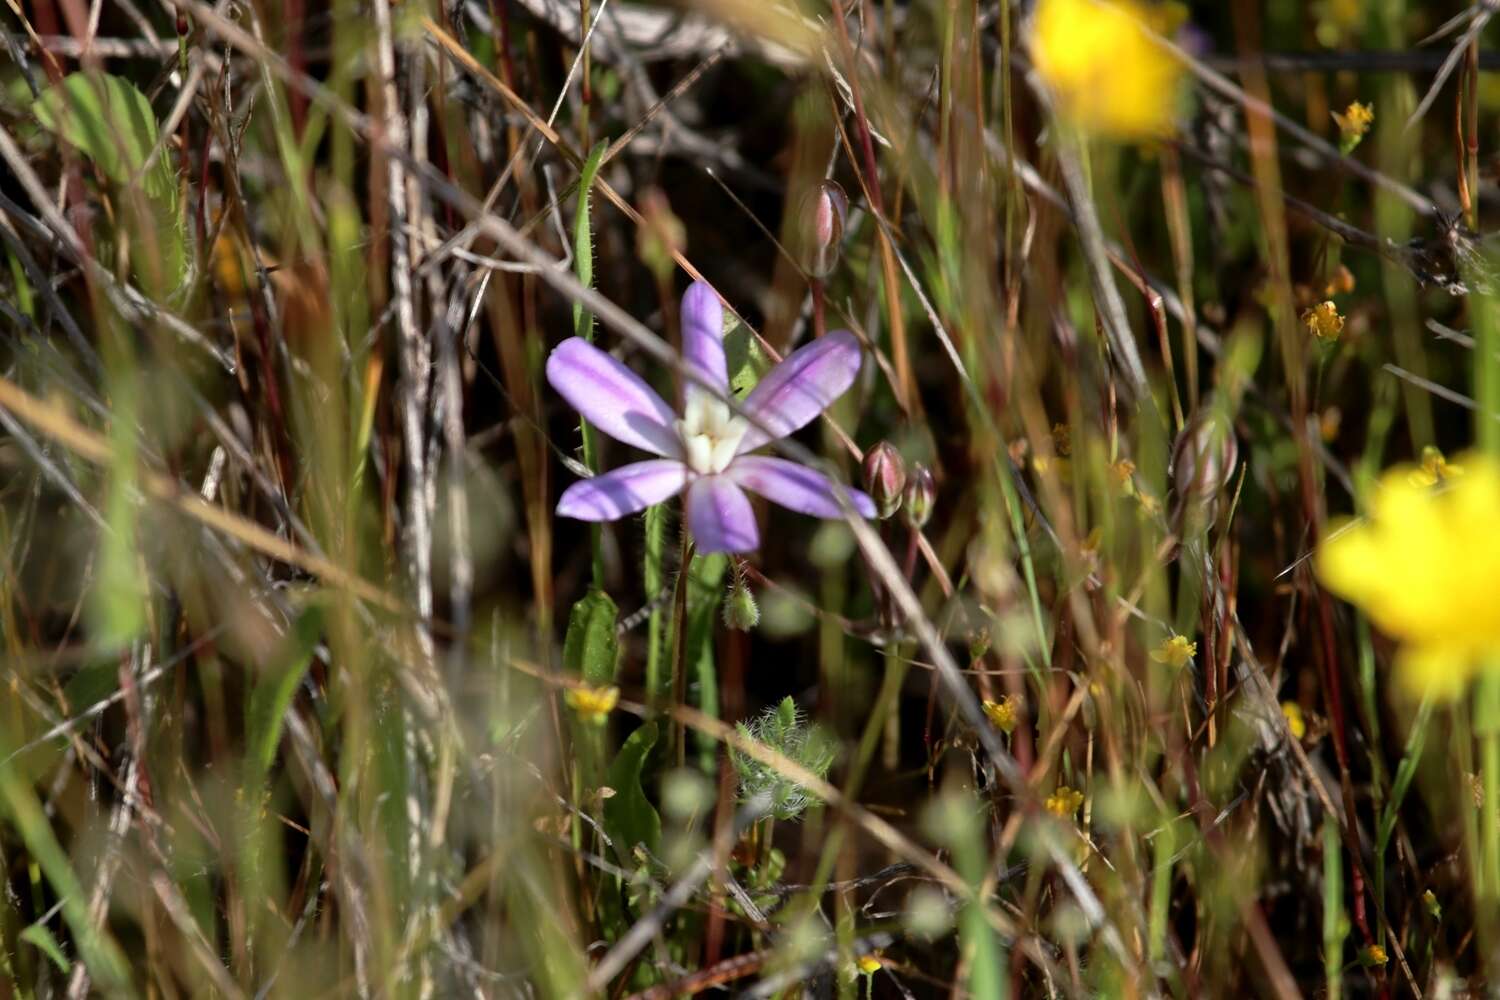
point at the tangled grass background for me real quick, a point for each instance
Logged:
(309, 690)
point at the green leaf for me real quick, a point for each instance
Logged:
(111, 122)
(41, 938)
(629, 817)
(273, 694)
(745, 359)
(583, 239)
(117, 598)
(590, 648)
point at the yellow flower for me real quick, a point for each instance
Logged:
(1065, 801)
(1425, 567)
(1004, 713)
(1123, 473)
(1353, 124)
(1323, 321)
(870, 964)
(1373, 955)
(1150, 506)
(1342, 282)
(1042, 464)
(1434, 470)
(1175, 652)
(1329, 422)
(1105, 73)
(593, 704)
(1294, 719)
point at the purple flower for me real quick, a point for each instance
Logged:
(706, 450)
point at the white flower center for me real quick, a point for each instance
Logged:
(710, 434)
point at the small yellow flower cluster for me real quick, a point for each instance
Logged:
(1424, 565)
(1175, 651)
(1064, 802)
(593, 704)
(1323, 321)
(1004, 713)
(1107, 75)
(1123, 473)
(1353, 124)
(1435, 469)
(1373, 955)
(870, 964)
(1295, 721)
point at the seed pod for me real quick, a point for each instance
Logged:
(823, 215)
(741, 613)
(885, 478)
(921, 492)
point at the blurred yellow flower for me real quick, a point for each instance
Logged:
(1004, 713)
(1435, 469)
(1105, 73)
(1372, 955)
(1323, 321)
(1065, 801)
(1294, 719)
(1175, 652)
(593, 704)
(1043, 465)
(1329, 422)
(1342, 282)
(1123, 473)
(870, 964)
(1425, 567)
(1353, 124)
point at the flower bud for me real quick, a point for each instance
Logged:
(741, 613)
(824, 213)
(885, 478)
(920, 494)
(661, 235)
(1204, 457)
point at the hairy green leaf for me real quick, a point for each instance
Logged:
(590, 648)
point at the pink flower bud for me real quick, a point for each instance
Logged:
(1203, 462)
(1204, 457)
(921, 492)
(824, 214)
(885, 478)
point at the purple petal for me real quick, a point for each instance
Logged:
(720, 516)
(703, 337)
(802, 386)
(613, 398)
(795, 487)
(629, 488)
